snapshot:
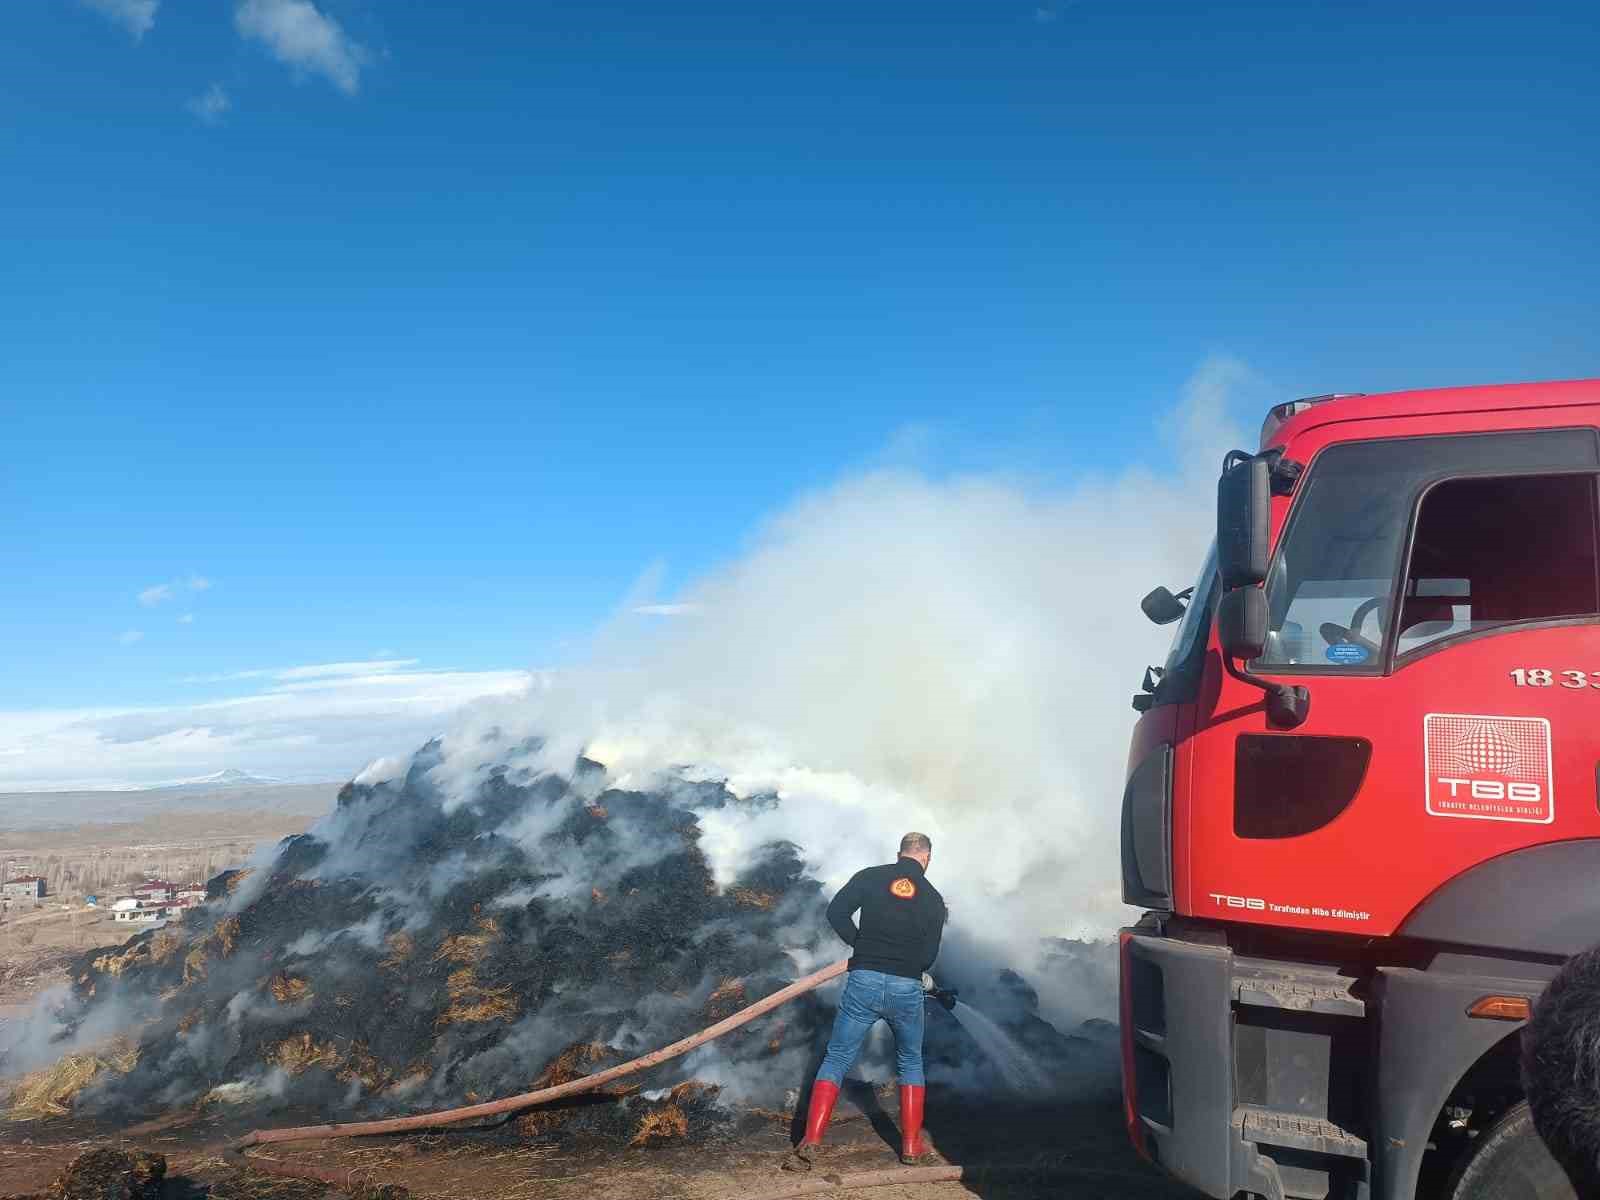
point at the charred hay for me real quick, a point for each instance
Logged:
(111, 1174)
(411, 952)
(421, 948)
(53, 1091)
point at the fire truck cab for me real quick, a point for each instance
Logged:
(1361, 810)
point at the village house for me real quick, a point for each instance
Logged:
(133, 911)
(25, 889)
(156, 890)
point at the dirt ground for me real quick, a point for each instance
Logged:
(31, 942)
(1065, 1150)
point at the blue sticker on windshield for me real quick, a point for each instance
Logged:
(1346, 652)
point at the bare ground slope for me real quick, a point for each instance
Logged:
(1065, 1150)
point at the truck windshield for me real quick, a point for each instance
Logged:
(1331, 587)
(1197, 617)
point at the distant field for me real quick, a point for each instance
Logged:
(158, 829)
(109, 859)
(103, 843)
(36, 948)
(20, 811)
(93, 843)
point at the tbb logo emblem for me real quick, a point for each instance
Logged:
(1489, 768)
(904, 889)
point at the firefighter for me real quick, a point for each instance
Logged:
(902, 920)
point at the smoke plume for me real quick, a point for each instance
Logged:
(898, 652)
(636, 846)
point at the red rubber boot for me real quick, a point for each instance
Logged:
(914, 1151)
(823, 1095)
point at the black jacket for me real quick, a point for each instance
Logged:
(902, 919)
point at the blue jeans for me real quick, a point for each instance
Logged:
(869, 995)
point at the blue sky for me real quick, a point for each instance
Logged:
(420, 334)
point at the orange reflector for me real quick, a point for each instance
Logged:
(1501, 1008)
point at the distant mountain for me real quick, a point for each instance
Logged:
(226, 778)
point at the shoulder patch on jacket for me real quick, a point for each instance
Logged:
(902, 889)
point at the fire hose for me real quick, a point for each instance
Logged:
(347, 1179)
(235, 1152)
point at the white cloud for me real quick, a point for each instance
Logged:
(324, 728)
(210, 106)
(228, 676)
(160, 593)
(186, 619)
(391, 681)
(298, 34)
(333, 670)
(1050, 13)
(131, 636)
(136, 16)
(346, 669)
(667, 610)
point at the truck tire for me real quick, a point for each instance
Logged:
(1509, 1162)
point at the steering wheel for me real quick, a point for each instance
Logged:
(1336, 634)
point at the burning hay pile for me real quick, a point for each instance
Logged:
(446, 937)
(422, 947)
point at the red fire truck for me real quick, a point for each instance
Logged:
(1361, 806)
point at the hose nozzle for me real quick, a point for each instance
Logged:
(945, 996)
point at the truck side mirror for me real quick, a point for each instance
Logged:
(1242, 623)
(1244, 499)
(1242, 634)
(1162, 607)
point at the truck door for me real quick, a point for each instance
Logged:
(1440, 598)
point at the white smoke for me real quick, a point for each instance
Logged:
(897, 652)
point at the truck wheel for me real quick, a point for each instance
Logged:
(1509, 1162)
